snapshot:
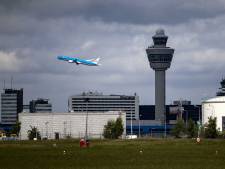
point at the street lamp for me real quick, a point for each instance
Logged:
(139, 128)
(199, 117)
(186, 115)
(165, 125)
(131, 123)
(86, 126)
(64, 125)
(46, 127)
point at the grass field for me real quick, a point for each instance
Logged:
(118, 154)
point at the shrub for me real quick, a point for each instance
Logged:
(33, 133)
(210, 128)
(178, 129)
(192, 129)
(113, 129)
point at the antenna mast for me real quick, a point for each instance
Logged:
(11, 82)
(4, 84)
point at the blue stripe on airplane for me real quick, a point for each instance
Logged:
(77, 60)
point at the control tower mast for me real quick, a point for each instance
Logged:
(160, 57)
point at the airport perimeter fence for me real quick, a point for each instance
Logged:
(57, 136)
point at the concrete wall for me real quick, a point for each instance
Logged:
(67, 124)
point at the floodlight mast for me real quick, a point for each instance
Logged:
(86, 120)
(160, 57)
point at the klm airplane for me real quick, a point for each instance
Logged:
(91, 62)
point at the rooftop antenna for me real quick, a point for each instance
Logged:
(11, 81)
(4, 84)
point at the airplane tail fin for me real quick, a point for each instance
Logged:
(95, 60)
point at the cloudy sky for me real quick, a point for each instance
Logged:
(33, 33)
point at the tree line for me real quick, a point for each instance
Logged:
(193, 130)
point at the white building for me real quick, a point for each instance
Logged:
(97, 102)
(214, 107)
(52, 125)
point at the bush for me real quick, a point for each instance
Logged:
(210, 128)
(119, 127)
(192, 129)
(108, 129)
(113, 129)
(179, 129)
(33, 133)
(221, 134)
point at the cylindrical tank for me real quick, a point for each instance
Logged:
(214, 107)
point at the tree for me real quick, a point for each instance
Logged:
(113, 129)
(108, 129)
(33, 133)
(192, 129)
(210, 128)
(179, 129)
(118, 127)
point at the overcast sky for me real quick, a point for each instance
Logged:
(34, 33)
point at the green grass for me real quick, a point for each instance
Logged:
(117, 154)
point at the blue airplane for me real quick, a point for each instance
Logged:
(91, 62)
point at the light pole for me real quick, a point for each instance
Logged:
(64, 123)
(86, 126)
(165, 124)
(70, 128)
(46, 127)
(36, 133)
(181, 109)
(139, 128)
(199, 117)
(131, 123)
(186, 115)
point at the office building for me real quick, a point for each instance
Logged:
(40, 105)
(182, 102)
(64, 125)
(11, 105)
(148, 125)
(26, 108)
(97, 102)
(160, 57)
(173, 112)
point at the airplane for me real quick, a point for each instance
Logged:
(91, 62)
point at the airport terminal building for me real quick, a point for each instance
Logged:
(97, 102)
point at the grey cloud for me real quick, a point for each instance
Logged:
(37, 35)
(134, 12)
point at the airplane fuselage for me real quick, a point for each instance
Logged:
(78, 60)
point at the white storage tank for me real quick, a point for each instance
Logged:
(214, 107)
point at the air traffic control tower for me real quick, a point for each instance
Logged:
(160, 57)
